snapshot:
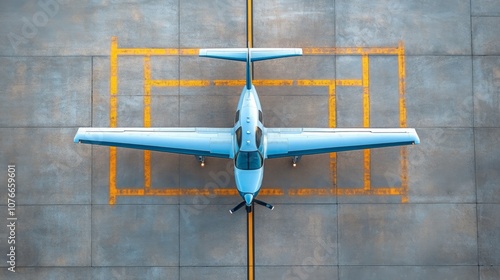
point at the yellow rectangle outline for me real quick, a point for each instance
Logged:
(364, 52)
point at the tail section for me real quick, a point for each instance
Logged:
(250, 55)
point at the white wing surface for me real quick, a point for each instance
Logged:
(285, 142)
(213, 142)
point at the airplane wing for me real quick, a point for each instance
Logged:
(212, 142)
(285, 142)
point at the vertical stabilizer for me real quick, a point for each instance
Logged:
(249, 69)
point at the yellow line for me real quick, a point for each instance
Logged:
(332, 122)
(147, 91)
(279, 192)
(140, 191)
(250, 223)
(273, 82)
(229, 83)
(177, 83)
(232, 83)
(345, 191)
(113, 87)
(402, 120)
(366, 90)
(404, 174)
(349, 83)
(250, 23)
(113, 111)
(366, 118)
(324, 83)
(350, 51)
(332, 106)
(250, 245)
(146, 51)
(310, 192)
(386, 191)
(112, 176)
(147, 119)
(402, 85)
(271, 191)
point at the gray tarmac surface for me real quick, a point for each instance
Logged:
(55, 76)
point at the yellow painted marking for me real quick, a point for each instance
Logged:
(177, 83)
(310, 192)
(250, 245)
(386, 191)
(404, 174)
(113, 112)
(250, 23)
(332, 122)
(112, 176)
(349, 83)
(332, 119)
(402, 85)
(163, 52)
(345, 191)
(233, 83)
(147, 91)
(332, 106)
(366, 90)
(131, 191)
(274, 83)
(321, 83)
(250, 228)
(147, 119)
(402, 120)
(350, 51)
(229, 83)
(366, 118)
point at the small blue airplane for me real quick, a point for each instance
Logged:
(248, 142)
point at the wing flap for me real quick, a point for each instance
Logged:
(213, 142)
(308, 141)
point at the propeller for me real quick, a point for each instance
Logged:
(249, 208)
(237, 207)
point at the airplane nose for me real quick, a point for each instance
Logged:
(248, 199)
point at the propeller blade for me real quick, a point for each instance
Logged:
(267, 205)
(237, 207)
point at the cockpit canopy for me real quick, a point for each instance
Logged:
(248, 160)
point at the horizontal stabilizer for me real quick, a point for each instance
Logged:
(256, 54)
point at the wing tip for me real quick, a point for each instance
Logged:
(78, 135)
(416, 139)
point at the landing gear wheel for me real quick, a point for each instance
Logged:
(201, 160)
(296, 160)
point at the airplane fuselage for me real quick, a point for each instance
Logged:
(249, 145)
